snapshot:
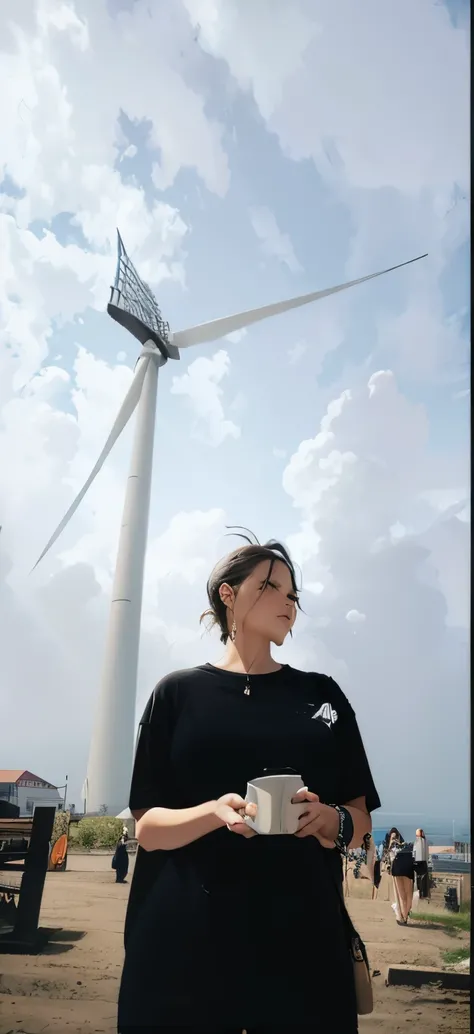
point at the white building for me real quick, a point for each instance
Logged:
(28, 791)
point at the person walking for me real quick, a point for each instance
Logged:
(403, 875)
(421, 856)
(121, 859)
(379, 859)
(228, 929)
(372, 862)
(368, 848)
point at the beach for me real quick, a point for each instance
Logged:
(73, 985)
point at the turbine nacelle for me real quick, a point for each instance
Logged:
(133, 305)
(139, 330)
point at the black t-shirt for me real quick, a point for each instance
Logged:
(201, 737)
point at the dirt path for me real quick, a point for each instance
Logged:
(73, 985)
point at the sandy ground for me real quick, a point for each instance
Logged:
(73, 985)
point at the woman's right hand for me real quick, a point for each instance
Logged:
(231, 808)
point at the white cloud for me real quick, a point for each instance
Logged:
(365, 473)
(129, 152)
(443, 499)
(152, 233)
(425, 343)
(296, 352)
(236, 335)
(354, 617)
(239, 403)
(329, 82)
(385, 446)
(51, 68)
(274, 243)
(201, 384)
(449, 546)
(177, 551)
(398, 530)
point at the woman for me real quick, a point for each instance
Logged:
(121, 859)
(372, 862)
(227, 929)
(421, 856)
(403, 875)
(379, 860)
(392, 838)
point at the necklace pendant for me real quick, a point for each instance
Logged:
(247, 689)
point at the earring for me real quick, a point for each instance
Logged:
(233, 631)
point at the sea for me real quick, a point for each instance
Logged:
(438, 834)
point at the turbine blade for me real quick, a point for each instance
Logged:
(126, 410)
(219, 328)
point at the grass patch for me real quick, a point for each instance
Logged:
(451, 958)
(452, 921)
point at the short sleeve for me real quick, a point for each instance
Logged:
(150, 786)
(355, 777)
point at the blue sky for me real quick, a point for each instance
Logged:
(240, 173)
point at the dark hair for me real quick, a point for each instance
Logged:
(393, 830)
(234, 568)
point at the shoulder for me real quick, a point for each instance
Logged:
(326, 686)
(170, 691)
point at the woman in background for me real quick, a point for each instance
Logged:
(420, 857)
(379, 865)
(121, 859)
(392, 837)
(374, 863)
(403, 875)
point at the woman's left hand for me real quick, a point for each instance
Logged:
(316, 819)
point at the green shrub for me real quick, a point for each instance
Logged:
(452, 958)
(100, 833)
(61, 825)
(451, 921)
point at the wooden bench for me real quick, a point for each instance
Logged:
(24, 849)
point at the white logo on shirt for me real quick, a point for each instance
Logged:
(326, 714)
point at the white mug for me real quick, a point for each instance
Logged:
(272, 794)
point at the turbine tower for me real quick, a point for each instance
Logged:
(133, 305)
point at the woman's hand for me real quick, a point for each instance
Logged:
(231, 809)
(316, 819)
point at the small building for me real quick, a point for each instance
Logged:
(28, 791)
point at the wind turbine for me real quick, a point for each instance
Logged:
(133, 305)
